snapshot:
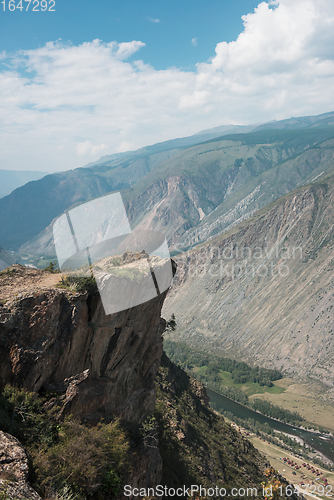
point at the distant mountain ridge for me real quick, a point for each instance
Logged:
(190, 193)
(6, 259)
(13, 179)
(206, 189)
(31, 208)
(177, 144)
(323, 120)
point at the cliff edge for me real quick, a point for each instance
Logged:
(55, 340)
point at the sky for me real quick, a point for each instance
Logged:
(80, 80)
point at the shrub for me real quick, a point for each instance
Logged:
(79, 284)
(70, 461)
(89, 460)
(22, 414)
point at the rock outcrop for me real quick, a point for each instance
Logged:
(99, 366)
(96, 366)
(14, 469)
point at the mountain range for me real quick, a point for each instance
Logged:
(6, 259)
(13, 179)
(191, 193)
(268, 190)
(264, 290)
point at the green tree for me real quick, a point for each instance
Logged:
(171, 324)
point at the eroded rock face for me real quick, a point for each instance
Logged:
(14, 469)
(101, 366)
(264, 291)
(96, 365)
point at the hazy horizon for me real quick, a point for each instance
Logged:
(121, 79)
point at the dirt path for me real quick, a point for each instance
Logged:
(20, 279)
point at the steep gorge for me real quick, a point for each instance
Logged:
(89, 367)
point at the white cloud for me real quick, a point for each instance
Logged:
(62, 103)
(126, 146)
(156, 20)
(194, 42)
(83, 148)
(99, 149)
(127, 49)
(198, 98)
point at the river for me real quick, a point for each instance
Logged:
(323, 444)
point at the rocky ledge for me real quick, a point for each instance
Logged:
(96, 365)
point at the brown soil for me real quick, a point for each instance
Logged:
(19, 279)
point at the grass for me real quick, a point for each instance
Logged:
(89, 460)
(3, 493)
(52, 268)
(6, 272)
(310, 399)
(78, 284)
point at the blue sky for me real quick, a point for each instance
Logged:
(96, 78)
(176, 32)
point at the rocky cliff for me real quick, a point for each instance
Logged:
(263, 292)
(58, 341)
(93, 368)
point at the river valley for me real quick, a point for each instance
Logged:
(319, 442)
